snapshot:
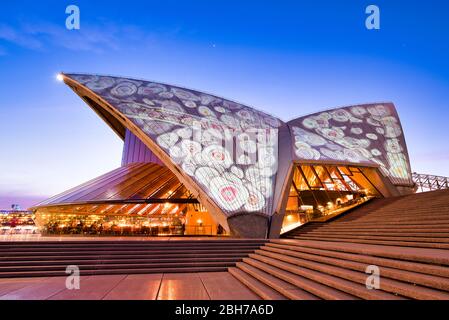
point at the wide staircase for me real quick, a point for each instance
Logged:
(51, 258)
(404, 238)
(419, 220)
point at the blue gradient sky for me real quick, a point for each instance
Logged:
(288, 58)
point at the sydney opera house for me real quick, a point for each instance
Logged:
(218, 200)
(197, 164)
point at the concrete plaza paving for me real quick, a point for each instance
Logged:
(168, 286)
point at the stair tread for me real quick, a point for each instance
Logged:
(405, 229)
(50, 258)
(380, 242)
(25, 274)
(116, 266)
(10, 259)
(261, 289)
(287, 289)
(210, 251)
(376, 237)
(418, 267)
(320, 287)
(118, 248)
(355, 271)
(436, 256)
(427, 234)
(112, 261)
(100, 241)
(342, 284)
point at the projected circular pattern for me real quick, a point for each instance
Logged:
(360, 134)
(215, 141)
(200, 132)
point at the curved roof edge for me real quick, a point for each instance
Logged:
(368, 134)
(69, 74)
(154, 113)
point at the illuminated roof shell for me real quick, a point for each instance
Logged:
(233, 158)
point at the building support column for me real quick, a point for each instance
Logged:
(245, 225)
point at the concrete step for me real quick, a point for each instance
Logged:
(348, 287)
(386, 224)
(122, 257)
(410, 205)
(395, 217)
(261, 289)
(405, 229)
(420, 268)
(378, 226)
(424, 255)
(157, 243)
(128, 266)
(398, 220)
(116, 261)
(322, 291)
(411, 220)
(61, 273)
(285, 288)
(398, 212)
(373, 233)
(392, 280)
(101, 257)
(377, 237)
(380, 242)
(133, 244)
(340, 273)
(109, 249)
(118, 253)
(367, 232)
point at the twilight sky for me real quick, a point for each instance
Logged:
(288, 58)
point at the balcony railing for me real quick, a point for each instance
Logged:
(427, 182)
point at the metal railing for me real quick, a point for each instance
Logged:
(427, 182)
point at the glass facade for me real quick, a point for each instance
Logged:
(16, 222)
(320, 191)
(175, 221)
(135, 199)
